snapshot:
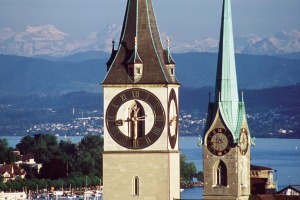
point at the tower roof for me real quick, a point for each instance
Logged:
(226, 88)
(140, 32)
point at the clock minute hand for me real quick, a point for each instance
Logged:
(141, 118)
(120, 122)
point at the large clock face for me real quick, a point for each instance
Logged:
(135, 118)
(173, 119)
(219, 141)
(243, 141)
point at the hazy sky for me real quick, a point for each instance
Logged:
(185, 20)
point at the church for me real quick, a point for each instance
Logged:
(141, 158)
(226, 141)
(141, 112)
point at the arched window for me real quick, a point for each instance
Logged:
(135, 186)
(221, 174)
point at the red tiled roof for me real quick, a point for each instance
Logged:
(12, 170)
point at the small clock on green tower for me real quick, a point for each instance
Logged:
(219, 141)
(243, 145)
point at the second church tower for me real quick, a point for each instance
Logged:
(226, 152)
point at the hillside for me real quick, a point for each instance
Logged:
(272, 112)
(84, 71)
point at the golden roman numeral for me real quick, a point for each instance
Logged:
(148, 140)
(156, 131)
(123, 97)
(136, 94)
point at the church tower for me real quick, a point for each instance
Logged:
(226, 151)
(141, 158)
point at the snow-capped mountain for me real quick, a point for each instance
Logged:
(281, 42)
(48, 40)
(44, 40)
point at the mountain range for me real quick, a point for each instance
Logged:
(85, 71)
(47, 40)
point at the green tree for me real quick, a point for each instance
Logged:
(69, 152)
(53, 169)
(45, 148)
(89, 160)
(187, 171)
(26, 145)
(6, 153)
(199, 176)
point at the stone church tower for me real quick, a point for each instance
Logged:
(141, 155)
(226, 151)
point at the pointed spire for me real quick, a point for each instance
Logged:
(169, 59)
(112, 56)
(226, 80)
(140, 29)
(135, 58)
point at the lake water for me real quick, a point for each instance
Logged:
(280, 154)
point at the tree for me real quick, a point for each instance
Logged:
(26, 145)
(45, 147)
(69, 152)
(53, 169)
(199, 176)
(187, 171)
(6, 153)
(89, 155)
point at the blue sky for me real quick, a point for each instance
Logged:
(186, 20)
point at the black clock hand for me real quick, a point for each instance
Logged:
(120, 122)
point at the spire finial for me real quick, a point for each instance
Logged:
(135, 41)
(242, 96)
(113, 44)
(168, 42)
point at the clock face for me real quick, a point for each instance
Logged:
(243, 141)
(219, 141)
(135, 118)
(173, 119)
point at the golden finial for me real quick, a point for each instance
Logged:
(168, 42)
(242, 96)
(135, 41)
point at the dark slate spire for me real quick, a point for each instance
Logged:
(140, 24)
(112, 56)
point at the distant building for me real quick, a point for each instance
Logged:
(291, 190)
(28, 163)
(11, 172)
(262, 181)
(12, 195)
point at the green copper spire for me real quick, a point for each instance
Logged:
(226, 89)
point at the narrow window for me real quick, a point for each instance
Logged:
(221, 174)
(138, 71)
(135, 188)
(172, 71)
